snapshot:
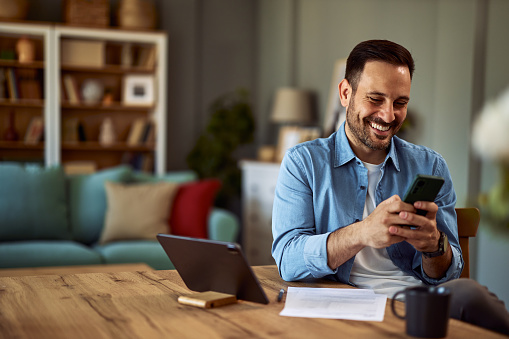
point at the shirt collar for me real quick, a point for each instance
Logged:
(344, 152)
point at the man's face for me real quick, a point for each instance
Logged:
(376, 111)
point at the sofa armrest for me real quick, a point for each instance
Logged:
(223, 225)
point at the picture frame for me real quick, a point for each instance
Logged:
(335, 113)
(34, 131)
(290, 136)
(139, 90)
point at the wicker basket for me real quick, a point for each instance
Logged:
(94, 13)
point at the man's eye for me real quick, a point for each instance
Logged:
(400, 104)
(376, 100)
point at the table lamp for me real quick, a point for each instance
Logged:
(292, 108)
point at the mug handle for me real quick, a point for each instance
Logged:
(392, 304)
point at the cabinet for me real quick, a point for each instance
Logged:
(102, 87)
(258, 185)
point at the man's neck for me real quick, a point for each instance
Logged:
(366, 154)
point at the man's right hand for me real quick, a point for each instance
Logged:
(373, 231)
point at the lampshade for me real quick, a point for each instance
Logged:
(292, 105)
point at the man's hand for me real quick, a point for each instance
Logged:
(389, 224)
(373, 231)
(425, 237)
(375, 228)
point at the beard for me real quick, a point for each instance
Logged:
(361, 129)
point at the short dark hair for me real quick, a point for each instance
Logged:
(376, 50)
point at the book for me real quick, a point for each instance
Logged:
(136, 132)
(29, 85)
(71, 89)
(3, 94)
(146, 132)
(70, 133)
(34, 131)
(12, 84)
(147, 57)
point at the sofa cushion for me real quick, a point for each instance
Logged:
(32, 203)
(137, 211)
(191, 208)
(46, 253)
(146, 251)
(87, 201)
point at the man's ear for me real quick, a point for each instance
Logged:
(345, 91)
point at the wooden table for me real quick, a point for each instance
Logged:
(143, 304)
(105, 268)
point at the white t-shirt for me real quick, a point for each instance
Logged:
(372, 267)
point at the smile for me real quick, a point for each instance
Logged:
(379, 127)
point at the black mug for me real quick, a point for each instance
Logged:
(427, 311)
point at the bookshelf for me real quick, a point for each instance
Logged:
(99, 81)
(24, 79)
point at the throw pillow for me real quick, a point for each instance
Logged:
(191, 208)
(87, 201)
(137, 211)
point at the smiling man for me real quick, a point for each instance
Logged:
(337, 210)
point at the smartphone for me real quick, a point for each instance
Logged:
(423, 188)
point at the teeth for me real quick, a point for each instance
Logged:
(380, 127)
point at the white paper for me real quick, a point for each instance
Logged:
(334, 303)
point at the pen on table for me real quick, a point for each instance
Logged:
(280, 295)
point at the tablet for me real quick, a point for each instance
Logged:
(209, 265)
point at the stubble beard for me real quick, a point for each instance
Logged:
(361, 129)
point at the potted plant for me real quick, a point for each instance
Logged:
(231, 125)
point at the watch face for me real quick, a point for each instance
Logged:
(443, 242)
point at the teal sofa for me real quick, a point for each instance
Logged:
(50, 219)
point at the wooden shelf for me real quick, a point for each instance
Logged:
(20, 145)
(22, 103)
(97, 147)
(112, 107)
(108, 69)
(17, 64)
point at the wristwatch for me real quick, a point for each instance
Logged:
(442, 247)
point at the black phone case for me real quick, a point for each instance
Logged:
(423, 188)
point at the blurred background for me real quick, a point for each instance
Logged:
(460, 48)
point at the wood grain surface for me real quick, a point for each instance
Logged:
(143, 304)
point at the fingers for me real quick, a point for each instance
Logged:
(427, 206)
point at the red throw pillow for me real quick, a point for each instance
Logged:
(191, 208)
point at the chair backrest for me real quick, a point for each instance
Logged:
(468, 222)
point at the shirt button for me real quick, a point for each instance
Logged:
(363, 187)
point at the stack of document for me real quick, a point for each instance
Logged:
(334, 303)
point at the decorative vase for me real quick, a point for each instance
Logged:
(10, 133)
(25, 49)
(137, 14)
(107, 133)
(92, 91)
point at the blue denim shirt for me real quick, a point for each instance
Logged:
(322, 187)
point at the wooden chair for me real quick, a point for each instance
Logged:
(468, 222)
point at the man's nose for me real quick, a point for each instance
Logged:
(387, 113)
